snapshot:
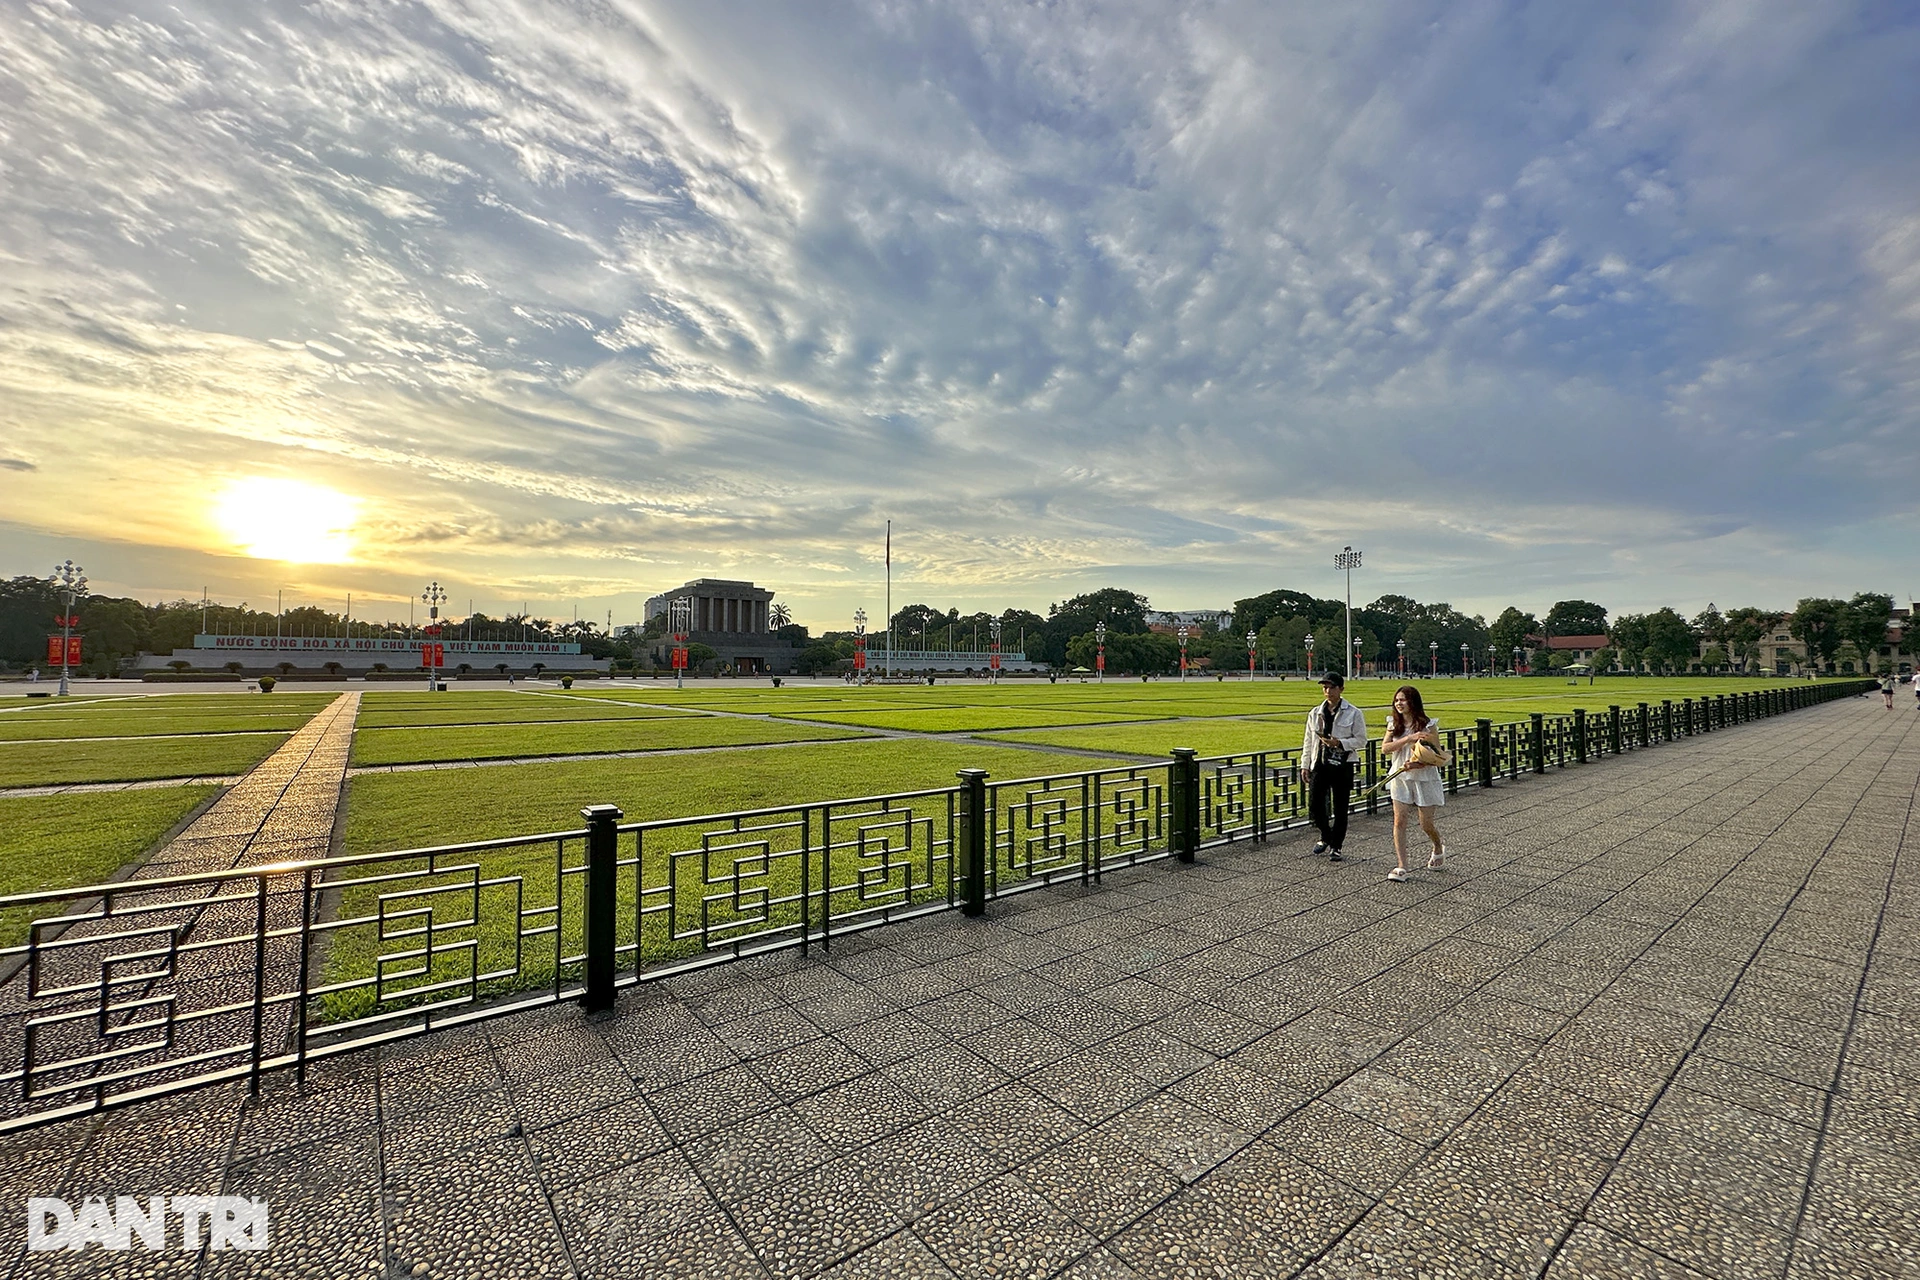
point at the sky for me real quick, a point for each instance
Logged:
(568, 303)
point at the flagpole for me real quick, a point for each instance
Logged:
(889, 599)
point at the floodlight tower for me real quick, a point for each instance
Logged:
(1348, 559)
(70, 581)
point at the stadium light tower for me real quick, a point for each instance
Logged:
(1348, 559)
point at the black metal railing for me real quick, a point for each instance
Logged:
(150, 986)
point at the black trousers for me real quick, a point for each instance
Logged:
(1329, 792)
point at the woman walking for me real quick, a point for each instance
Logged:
(1416, 792)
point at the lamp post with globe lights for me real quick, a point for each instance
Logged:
(680, 621)
(1308, 644)
(71, 582)
(1400, 646)
(993, 659)
(433, 597)
(1466, 671)
(859, 645)
(1493, 660)
(1516, 660)
(1100, 656)
(1354, 670)
(1181, 632)
(1253, 638)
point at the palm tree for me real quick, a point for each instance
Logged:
(779, 616)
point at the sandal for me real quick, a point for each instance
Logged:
(1437, 859)
(1398, 873)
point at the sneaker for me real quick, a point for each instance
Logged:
(1437, 859)
(1319, 846)
(1333, 855)
(1398, 873)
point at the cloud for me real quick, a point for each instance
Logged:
(1192, 294)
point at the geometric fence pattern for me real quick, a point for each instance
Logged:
(128, 991)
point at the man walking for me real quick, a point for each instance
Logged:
(1336, 735)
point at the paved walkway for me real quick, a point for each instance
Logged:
(1658, 1020)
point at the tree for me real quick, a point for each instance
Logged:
(1124, 612)
(1745, 628)
(1864, 622)
(1670, 641)
(1630, 638)
(1604, 658)
(1714, 659)
(1710, 625)
(1512, 629)
(779, 615)
(1817, 623)
(1576, 618)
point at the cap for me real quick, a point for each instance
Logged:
(1335, 679)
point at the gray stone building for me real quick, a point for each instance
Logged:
(731, 618)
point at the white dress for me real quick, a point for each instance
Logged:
(1425, 787)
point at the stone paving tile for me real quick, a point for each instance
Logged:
(916, 1170)
(1005, 1228)
(814, 1219)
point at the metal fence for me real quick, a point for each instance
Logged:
(150, 986)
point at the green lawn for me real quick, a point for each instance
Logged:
(49, 845)
(40, 764)
(510, 741)
(526, 710)
(145, 716)
(968, 719)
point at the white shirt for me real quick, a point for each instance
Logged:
(1349, 727)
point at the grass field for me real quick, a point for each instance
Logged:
(41, 764)
(139, 717)
(511, 741)
(45, 851)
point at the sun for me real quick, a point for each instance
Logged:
(291, 520)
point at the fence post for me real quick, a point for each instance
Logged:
(1666, 719)
(603, 850)
(1579, 735)
(1373, 775)
(973, 839)
(1483, 747)
(1687, 728)
(1613, 727)
(1646, 724)
(1183, 785)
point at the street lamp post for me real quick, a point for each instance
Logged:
(1348, 559)
(1493, 660)
(1516, 660)
(1181, 631)
(680, 619)
(993, 659)
(1401, 646)
(1252, 638)
(433, 597)
(1100, 658)
(1308, 642)
(859, 645)
(71, 581)
(1355, 669)
(1466, 671)
(1433, 659)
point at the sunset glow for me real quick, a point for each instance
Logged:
(290, 520)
